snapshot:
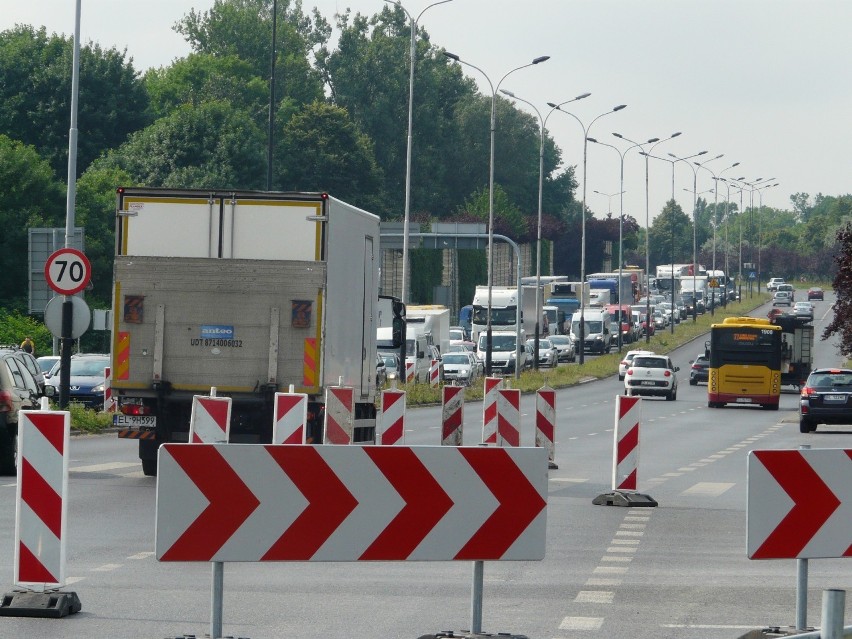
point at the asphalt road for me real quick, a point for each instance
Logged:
(675, 571)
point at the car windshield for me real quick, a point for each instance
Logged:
(649, 362)
(89, 367)
(560, 340)
(456, 358)
(390, 361)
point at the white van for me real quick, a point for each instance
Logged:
(504, 351)
(597, 336)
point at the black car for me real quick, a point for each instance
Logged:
(700, 370)
(826, 398)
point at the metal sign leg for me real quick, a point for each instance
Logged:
(216, 600)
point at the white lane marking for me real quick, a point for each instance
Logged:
(629, 533)
(141, 555)
(595, 596)
(106, 567)
(614, 559)
(708, 489)
(624, 549)
(581, 623)
(686, 469)
(73, 580)
(610, 570)
(99, 468)
(597, 581)
(625, 542)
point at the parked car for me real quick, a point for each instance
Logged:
(651, 375)
(18, 390)
(547, 353)
(47, 362)
(773, 283)
(816, 293)
(86, 380)
(699, 370)
(565, 348)
(782, 298)
(826, 398)
(624, 364)
(804, 310)
(461, 368)
(30, 362)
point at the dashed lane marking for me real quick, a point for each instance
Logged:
(708, 489)
(581, 623)
(595, 596)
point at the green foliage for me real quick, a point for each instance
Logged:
(426, 271)
(841, 324)
(671, 236)
(35, 96)
(87, 420)
(14, 327)
(32, 197)
(212, 145)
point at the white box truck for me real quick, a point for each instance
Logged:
(248, 292)
(505, 309)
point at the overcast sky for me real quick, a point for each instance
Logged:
(767, 83)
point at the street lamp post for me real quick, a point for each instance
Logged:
(583, 218)
(407, 215)
(694, 227)
(648, 232)
(542, 123)
(488, 331)
(760, 226)
(621, 155)
(608, 196)
(752, 187)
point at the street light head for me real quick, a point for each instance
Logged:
(541, 58)
(674, 135)
(620, 107)
(507, 92)
(592, 140)
(551, 104)
(452, 56)
(718, 156)
(701, 153)
(672, 155)
(585, 95)
(652, 140)
(735, 164)
(618, 135)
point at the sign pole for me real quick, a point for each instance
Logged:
(216, 599)
(65, 353)
(476, 597)
(802, 584)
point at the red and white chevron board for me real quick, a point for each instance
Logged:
(291, 418)
(452, 415)
(509, 417)
(250, 502)
(409, 372)
(339, 415)
(489, 410)
(210, 420)
(109, 400)
(391, 428)
(545, 420)
(42, 505)
(799, 504)
(435, 373)
(625, 462)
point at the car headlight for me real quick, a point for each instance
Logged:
(98, 389)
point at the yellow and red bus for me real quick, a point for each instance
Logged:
(745, 363)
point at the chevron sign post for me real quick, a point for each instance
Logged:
(210, 420)
(799, 504)
(250, 502)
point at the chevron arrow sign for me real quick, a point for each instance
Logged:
(799, 504)
(251, 502)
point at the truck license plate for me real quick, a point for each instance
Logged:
(134, 420)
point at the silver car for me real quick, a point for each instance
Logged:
(461, 368)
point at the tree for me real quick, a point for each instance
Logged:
(321, 149)
(212, 145)
(32, 197)
(671, 236)
(841, 324)
(35, 96)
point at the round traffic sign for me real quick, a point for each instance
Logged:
(67, 271)
(81, 316)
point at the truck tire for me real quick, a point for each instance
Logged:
(149, 467)
(7, 451)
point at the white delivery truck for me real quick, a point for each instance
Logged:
(597, 336)
(427, 336)
(248, 292)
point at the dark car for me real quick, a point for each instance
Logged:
(826, 398)
(87, 379)
(18, 390)
(815, 293)
(700, 370)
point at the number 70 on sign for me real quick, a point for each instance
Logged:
(67, 271)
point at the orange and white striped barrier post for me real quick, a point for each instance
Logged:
(291, 418)
(210, 419)
(391, 425)
(409, 373)
(545, 422)
(509, 417)
(339, 415)
(489, 410)
(452, 415)
(109, 400)
(41, 516)
(625, 456)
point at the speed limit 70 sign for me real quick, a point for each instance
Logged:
(67, 271)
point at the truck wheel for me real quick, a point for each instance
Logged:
(149, 467)
(7, 452)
